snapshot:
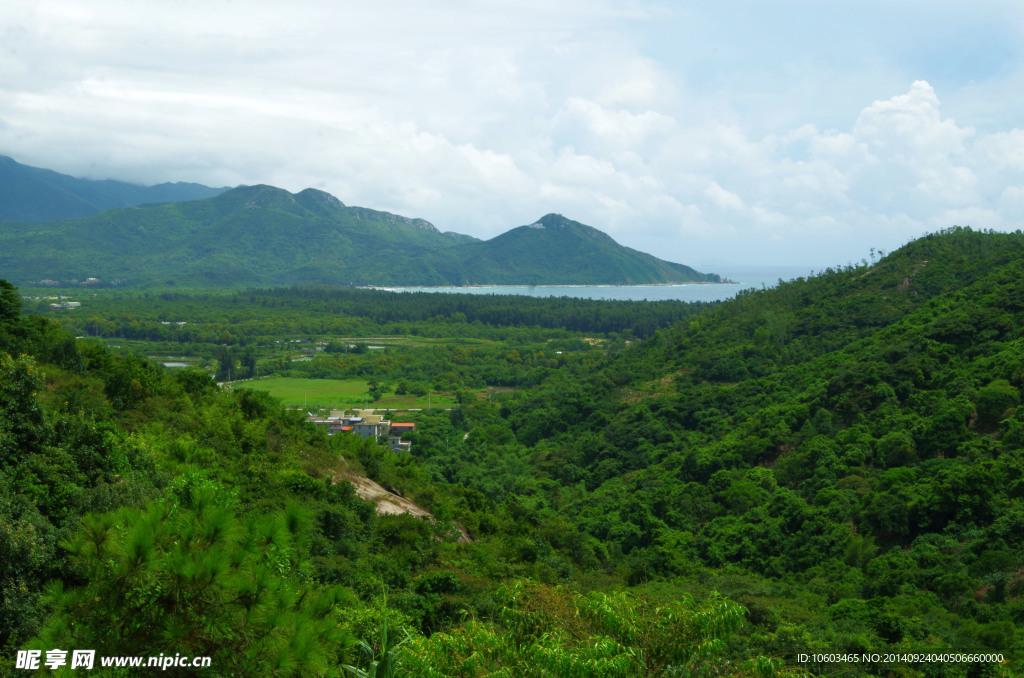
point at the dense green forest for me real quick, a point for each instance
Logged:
(832, 468)
(264, 315)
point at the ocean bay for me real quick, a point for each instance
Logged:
(742, 278)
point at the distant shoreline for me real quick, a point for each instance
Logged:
(389, 288)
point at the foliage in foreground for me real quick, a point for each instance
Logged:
(188, 575)
(552, 631)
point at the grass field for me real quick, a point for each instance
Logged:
(312, 392)
(337, 393)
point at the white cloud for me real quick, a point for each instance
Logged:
(613, 127)
(1003, 152)
(723, 199)
(666, 125)
(910, 127)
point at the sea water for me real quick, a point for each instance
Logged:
(742, 278)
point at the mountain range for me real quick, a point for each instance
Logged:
(35, 194)
(261, 235)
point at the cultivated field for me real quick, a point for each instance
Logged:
(338, 393)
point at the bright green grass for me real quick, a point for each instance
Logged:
(338, 393)
(294, 391)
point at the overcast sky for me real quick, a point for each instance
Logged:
(735, 132)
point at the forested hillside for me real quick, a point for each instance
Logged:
(844, 454)
(35, 194)
(556, 250)
(262, 235)
(832, 467)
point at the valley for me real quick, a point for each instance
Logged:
(832, 465)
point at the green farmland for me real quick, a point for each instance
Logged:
(338, 393)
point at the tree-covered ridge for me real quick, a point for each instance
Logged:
(852, 440)
(556, 250)
(261, 235)
(34, 194)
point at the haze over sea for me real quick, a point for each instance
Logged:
(744, 277)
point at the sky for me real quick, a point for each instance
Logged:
(794, 133)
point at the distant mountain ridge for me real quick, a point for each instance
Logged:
(263, 235)
(537, 252)
(35, 194)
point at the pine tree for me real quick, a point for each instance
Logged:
(189, 576)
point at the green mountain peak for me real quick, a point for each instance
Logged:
(554, 221)
(258, 196)
(311, 197)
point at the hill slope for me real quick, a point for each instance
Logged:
(555, 250)
(261, 235)
(34, 194)
(854, 441)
